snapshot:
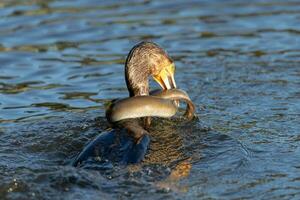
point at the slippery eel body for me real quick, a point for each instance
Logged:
(117, 145)
(156, 105)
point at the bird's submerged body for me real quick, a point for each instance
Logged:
(110, 148)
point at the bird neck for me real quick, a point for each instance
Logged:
(137, 86)
(137, 78)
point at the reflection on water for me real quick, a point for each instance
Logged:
(62, 62)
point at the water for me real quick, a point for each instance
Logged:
(62, 61)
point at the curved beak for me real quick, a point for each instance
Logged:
(165, 78)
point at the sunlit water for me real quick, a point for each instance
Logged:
(62, 61)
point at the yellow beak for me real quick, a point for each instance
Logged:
(165, 78)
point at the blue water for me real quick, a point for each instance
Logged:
(62, 61)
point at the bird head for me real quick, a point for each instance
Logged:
(148, 59)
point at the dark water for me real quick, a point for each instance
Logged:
(62, 61)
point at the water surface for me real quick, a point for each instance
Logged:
(62, 61)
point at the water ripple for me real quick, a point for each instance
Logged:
(62, 62)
